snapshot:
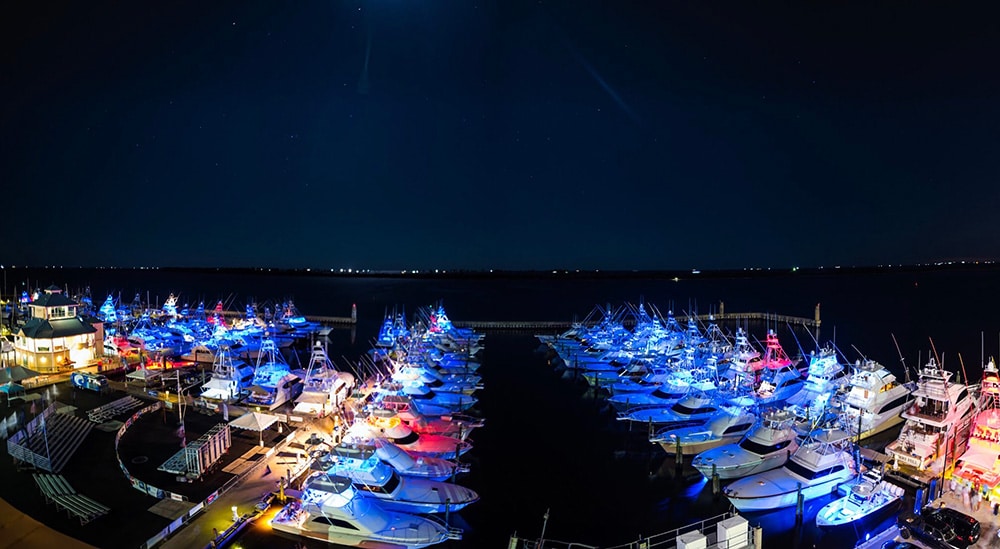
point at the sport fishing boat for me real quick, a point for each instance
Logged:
(868, 503)
(385, 423)
(230, 378)
(693, 409)
(981, 461)
(814, 470)
(273, 382)
(873, 393)
(379, 481)
(825, 376)
(332, 510)
(940, 415)
(324, 388)
(766, 446)
(780, 379)
(729, 424)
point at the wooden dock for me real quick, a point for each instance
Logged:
(335, 320)
(551, 325)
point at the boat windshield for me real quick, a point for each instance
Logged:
(762, 449)
(807, 473)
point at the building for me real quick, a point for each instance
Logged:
(55, 339)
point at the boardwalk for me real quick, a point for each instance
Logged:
(565, 324)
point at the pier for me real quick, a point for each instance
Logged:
(551, 325)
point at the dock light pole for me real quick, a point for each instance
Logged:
(545, 523)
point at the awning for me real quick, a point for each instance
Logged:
(254, 421)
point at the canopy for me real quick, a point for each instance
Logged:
(16, 373)
(254, 421)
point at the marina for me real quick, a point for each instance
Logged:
(261, 448)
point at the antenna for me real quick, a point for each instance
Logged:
(859, 352)
(964, 375)
(935, 352)
(906, 371)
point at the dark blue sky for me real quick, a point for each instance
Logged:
(615, 135)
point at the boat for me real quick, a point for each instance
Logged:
(874, 394)
(273, 382)
(730, 423)
(332, 510)
(868, 503)
(421, 467)
(980, 464)
(768, 445)
(324, 388)
(814, 470)
(940, 415)
(230, 378)
(377, 480)
(825, 376)
(695, 408)
(780, 379)
(385, 423)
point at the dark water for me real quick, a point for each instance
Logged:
(548, 442)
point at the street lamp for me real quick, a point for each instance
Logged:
(236, 515)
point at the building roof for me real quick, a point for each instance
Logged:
(53, 299)
(38, 328)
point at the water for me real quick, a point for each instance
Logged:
(548, 443)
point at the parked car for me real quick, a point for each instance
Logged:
(940, 527)
(966, 528)
(934, 533)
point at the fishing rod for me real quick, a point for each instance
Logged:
(906, 371)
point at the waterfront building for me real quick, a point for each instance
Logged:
(56, 339)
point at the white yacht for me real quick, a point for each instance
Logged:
(766, 446)
(815, 470)
(693, 409)
(385, 423)
(273, 382)
(825, 376)
(230, 378)
(875, 394)
(332, 510)
(324, 388)
(869, 502)
(729, 424)
(394, 491)
(941, 413)
(981, 461)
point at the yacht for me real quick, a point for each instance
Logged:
(730, 423)
(814, 470)
(273, 382)
(379, 481)
(693, 409)
(981, 461)
(868, 503)
(766, 446)
(874, 394)
(421, 467)
(825, 376)
(324, 388)
(780, 379)
(385, 423)
(332, 510)
(941, 413)
(230, 378)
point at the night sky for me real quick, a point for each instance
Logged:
(403, 134)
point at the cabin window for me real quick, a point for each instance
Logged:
(895, 403)
(335, 522)
(737, 428)
(760, 449)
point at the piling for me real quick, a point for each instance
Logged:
(447, 512)
(800, 503)
(678, 453)
(932, 491)
(715, 481)
(918, 501)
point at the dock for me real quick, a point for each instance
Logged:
(554, 325)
